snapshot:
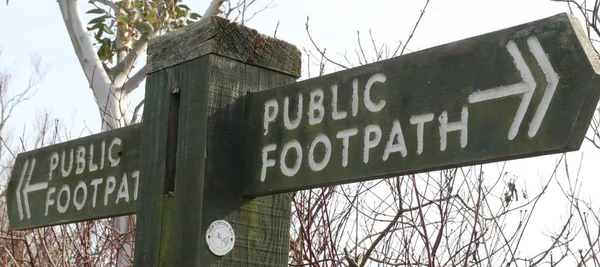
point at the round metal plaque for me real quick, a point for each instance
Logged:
(220, 237)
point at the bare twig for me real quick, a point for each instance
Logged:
(321, 52)
(413, 30)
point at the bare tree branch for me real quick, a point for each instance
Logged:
(414, 29)
(129, 61)
(213, 8)
(91, 64)
(321, 52)
(134, 81)
(136, 112)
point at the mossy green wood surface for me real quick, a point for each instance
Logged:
(199, 181)
(87, 178)
(152, 209)
(208, 184)
(432, 88)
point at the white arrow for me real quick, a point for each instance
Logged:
(538, 52)
(27, 189)
(526, 87)
(19, 203)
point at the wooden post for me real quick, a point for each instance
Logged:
(192, 147)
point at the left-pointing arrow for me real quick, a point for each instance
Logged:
(28, 188)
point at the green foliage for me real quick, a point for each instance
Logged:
(120, 24)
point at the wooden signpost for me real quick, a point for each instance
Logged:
(191, 153)
(224, 122)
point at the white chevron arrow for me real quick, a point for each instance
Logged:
(526, 87)
(27, 189)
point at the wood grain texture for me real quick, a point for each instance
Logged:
(151, 214)
(216, 35)
(213, 64)
(439, 82)
(208, 185)
(87, 178)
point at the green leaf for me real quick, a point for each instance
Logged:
(107, 30)
(97, 20)
(99, 34)
(195, 16)
(179, 13)
(144, 27)
(122, 27)
(96, 26)
(123, 19)
(104, 51)
(96, 11)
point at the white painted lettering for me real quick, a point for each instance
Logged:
(53, 164)
(289, 124)
(49, 198)
(109, 188)
(67, 171)
(371, 142)
(80, 160)
(335, 114)
(81, 187)
(266, 162)
(114, 161)
(282, 164)
(316, 105)
(95, 183)
(354, 97)
(345, 136)
(396, 142)
(123, 191)
(461, 126)
(271, 109)
(102, 152)
(63, 206)
(379, 77)
(420, 121)
(136, 175)
(319, 139)
(92, 167)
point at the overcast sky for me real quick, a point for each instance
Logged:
(28, 26)
(25, 30)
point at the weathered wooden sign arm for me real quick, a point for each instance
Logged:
(87, 178)
(520, 92)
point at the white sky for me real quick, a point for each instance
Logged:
(333, 24)
(25, 30)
